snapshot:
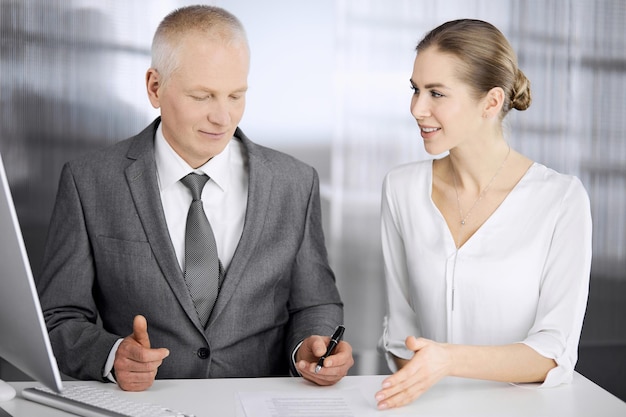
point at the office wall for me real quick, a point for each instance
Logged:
(329, 84)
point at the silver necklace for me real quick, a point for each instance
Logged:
(464, 218)
(482, 193)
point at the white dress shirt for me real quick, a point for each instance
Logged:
(522, 277)
(224, 196)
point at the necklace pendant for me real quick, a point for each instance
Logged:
(462, 222)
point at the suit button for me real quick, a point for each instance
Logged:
(203, 353)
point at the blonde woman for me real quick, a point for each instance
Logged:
(487, 253)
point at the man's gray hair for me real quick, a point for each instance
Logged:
(210, 21)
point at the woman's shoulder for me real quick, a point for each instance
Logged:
(542, 179)
(409, 179)
(549, 176)
(410, 170)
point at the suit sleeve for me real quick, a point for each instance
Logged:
(66, 286)
(315, 305)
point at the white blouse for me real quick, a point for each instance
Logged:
(522, 277)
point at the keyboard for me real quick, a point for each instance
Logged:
(89, 401)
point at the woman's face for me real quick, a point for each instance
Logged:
(443, 106)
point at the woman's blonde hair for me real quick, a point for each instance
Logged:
(487, 59)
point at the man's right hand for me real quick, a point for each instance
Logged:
(136, 364)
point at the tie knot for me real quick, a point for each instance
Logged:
(195, 183)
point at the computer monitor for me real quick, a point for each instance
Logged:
(24, 340)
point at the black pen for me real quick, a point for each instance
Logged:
(334, 340)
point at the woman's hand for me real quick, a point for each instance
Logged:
(431, 362)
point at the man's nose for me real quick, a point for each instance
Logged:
(219, 114)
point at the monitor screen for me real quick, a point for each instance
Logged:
(24, 338)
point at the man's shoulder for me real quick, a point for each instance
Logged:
(274, 159)
(121, 152)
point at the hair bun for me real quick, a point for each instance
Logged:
(520, 94)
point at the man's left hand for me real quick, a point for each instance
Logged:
(335, 367)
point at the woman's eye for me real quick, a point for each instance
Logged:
(436, 94)
(415, 89)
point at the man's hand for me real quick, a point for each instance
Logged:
(336, 366)
(136, 364)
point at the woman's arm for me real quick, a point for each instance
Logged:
(433, 361)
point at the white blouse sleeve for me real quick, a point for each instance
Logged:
(400, 318)
(564, 286)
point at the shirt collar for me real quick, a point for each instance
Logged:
(171, 167)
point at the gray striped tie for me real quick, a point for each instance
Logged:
(202, 265)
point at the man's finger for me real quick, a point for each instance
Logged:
(140, 331)
(320, 346)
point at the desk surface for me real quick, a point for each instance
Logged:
(451, 397)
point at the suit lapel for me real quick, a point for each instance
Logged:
(259, 188)
(141, 176)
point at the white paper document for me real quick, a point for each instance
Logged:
(335, 403)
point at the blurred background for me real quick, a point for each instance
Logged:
(329, 85)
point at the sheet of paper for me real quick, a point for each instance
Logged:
(331, 403)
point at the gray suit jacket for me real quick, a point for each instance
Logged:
(109, 257)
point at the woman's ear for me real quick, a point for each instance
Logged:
(493, 102)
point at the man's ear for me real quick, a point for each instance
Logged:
(493, 102)
(153, 87)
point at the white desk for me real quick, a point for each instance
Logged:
(451, 397)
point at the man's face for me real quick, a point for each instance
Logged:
(203, 100)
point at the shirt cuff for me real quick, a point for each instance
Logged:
(294, 368)
(108, 366)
